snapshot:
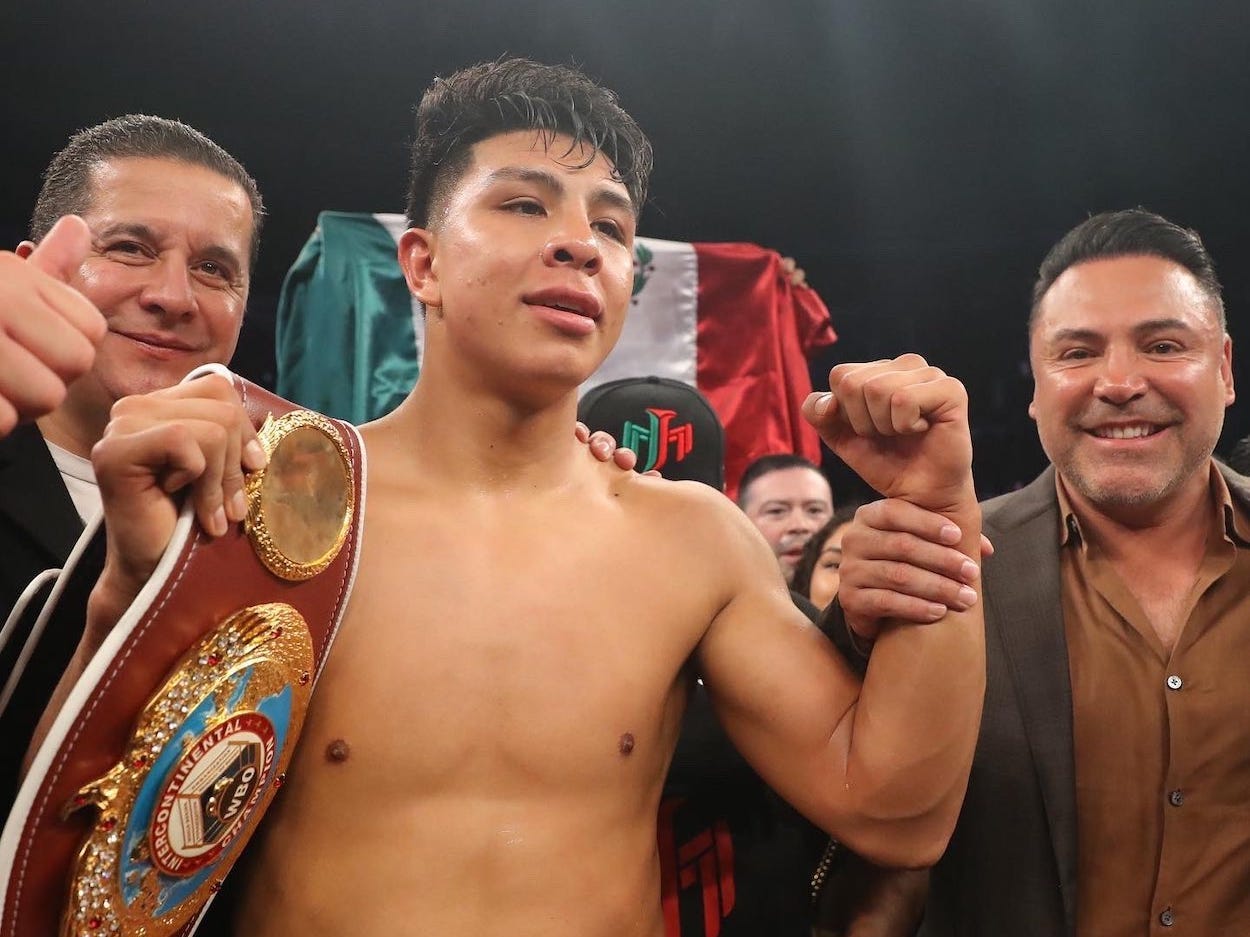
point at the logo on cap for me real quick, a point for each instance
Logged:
(659, 435)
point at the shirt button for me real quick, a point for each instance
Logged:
(1175, 682)
(1167, 918)
(1176, 798)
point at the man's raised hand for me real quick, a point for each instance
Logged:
(48, 330)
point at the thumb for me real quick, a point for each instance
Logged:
(821, 410)
(63, 249)
(816, 406)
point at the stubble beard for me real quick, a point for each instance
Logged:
(1109, 487)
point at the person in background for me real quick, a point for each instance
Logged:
(816, 573)
(787, 498)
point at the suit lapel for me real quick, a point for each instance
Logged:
(32, 495)
(1027, 609)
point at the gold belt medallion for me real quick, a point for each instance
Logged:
(300, 505)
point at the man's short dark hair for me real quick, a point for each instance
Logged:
(1132, 232)
(492, 98)
(766, 465)
(67, 180)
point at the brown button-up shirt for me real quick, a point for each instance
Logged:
(1162, 741)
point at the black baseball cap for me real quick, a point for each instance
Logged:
(669, 424)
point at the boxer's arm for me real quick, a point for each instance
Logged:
(884, 768)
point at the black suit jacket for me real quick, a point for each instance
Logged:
(1011, 864)
(38, 521)
(38, 528)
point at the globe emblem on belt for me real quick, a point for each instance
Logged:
(210, 792)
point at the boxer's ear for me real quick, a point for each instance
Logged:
(418, 259)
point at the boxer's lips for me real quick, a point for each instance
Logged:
(577, 302)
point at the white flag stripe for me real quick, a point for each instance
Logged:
(661, 325)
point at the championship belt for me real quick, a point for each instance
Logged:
(177, 736)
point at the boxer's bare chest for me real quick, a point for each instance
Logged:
(544, 644)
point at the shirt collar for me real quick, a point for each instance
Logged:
(1236, 525)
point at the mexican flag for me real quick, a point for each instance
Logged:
(722, 317)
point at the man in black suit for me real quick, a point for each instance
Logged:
(1111, 782)
(167, 230)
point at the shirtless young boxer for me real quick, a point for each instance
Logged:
(485, 752)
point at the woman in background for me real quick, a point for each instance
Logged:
(816, 575)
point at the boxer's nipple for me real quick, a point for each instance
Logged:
(338, 751)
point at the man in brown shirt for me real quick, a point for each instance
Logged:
(1111, 786)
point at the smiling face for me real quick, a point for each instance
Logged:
(527, 270)
(1132, 374)
(168, 268)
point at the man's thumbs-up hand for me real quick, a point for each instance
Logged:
(48, 330)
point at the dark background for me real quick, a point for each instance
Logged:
(917, 159)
